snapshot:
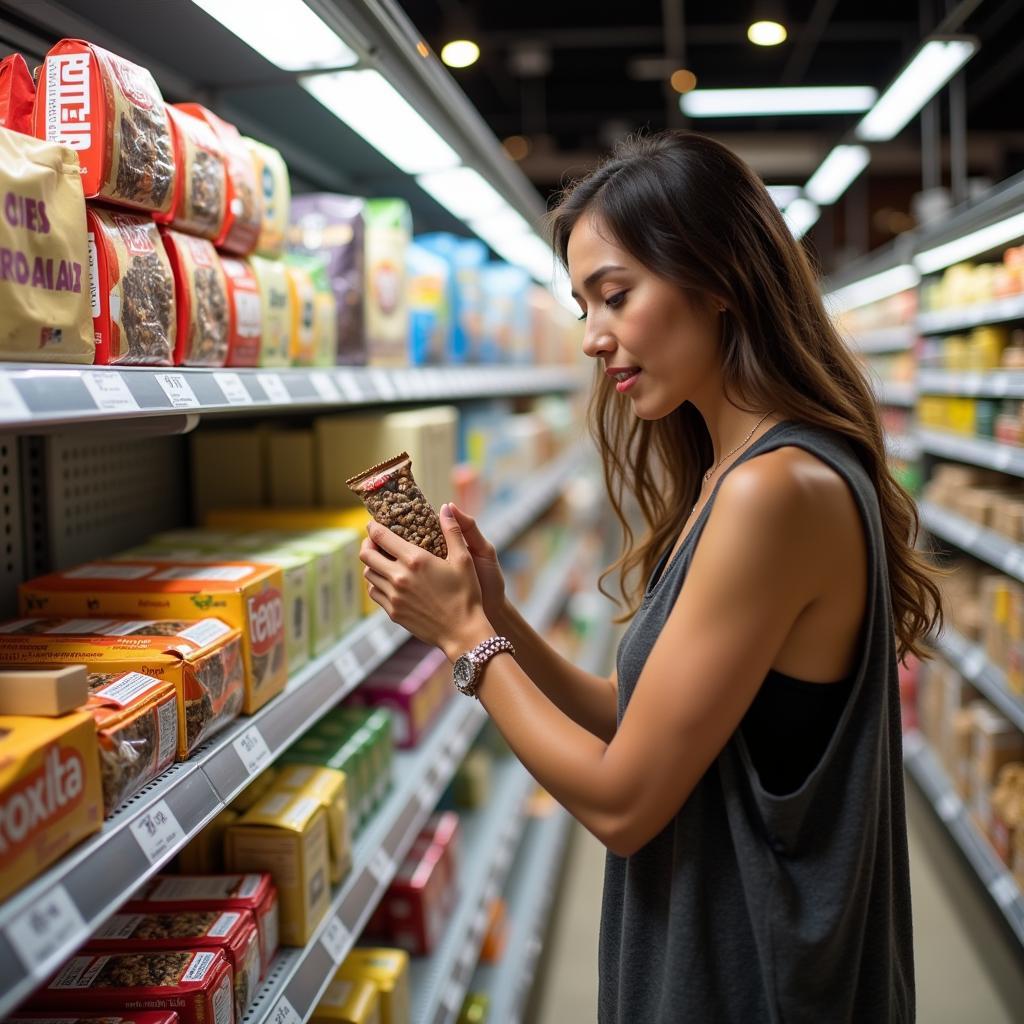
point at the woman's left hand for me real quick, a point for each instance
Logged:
(438, 600)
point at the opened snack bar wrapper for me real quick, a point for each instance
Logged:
(394, 499)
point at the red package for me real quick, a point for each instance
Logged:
(241, 228)
(443, 831)
(111, 112)
(17, 94)
(201, 294)
(197, 984)
(201, 183)
(134, 318)
(416, 903)
(255, 892)
(121, 1017)
(245, 317)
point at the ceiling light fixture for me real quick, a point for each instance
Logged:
(973, 244)
(767, 33)
(871, 289)
(836, 173)
(460, 53)
(286, 32)
(831, 99)
(801, 215)
(934, 64)
(783, 195)
(463, 192)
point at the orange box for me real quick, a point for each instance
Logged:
(247, 595)
(50, 796)
(202, 659)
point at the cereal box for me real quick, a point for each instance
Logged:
(327, 786)
(246, 595)
(388, 969)
(201, 292)
(349, 1002)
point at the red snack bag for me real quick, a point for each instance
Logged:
(17, 94)
(201, 184)
(202, 300)
(100, 1017)
(241, 228)
(134, 318)
(111, 112)
(245, 317)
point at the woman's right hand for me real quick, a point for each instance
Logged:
(485, 560)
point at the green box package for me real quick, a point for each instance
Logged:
(342, 546)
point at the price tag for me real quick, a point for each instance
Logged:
(109, 391)
(178, 390)
(234, 390)
(336, 939)
(382, 382)
(381, 866)
(274, 388)
(348, 665)
(425, 794)
(325, 387)
(948, 806)
(1002, 457)
(252, 749)
(157, 831)
(40, 931)
(1004, 890)
(12, 405)
(349, 386)
(284, 1013)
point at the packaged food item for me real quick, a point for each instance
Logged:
(475, 1008)
(201, 291)
(272, 175)
(255, 893)
(204, 854)
(388, 226)
(370, 731)
(50, 794)
(99, 1017)
(349, 1002)
(111, 111)
(256, 790)
(245, 595)
(472, 784)
(197, 984)
(44, 253)
(388, 969)
(506, 319)
(231, 931)
(427, 283)
(48, 692)
(328, 788)
(241, 228)
(201, 186)
(134, 319)
(303, 302)
(325, 326)
(275, 311)
(331, 226)
(415, 903)
(287, 833)
(245, 318)
(443, 831)
(17, 94)
(465, 257)
(202, 660)
(496, 935)
(394, 499)
(319, 346)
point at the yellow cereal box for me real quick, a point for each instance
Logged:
(388, 969)
(327, 786)
(349, 1002)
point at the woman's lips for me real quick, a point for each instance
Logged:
(625, 379)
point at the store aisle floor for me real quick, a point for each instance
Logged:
(967, 970)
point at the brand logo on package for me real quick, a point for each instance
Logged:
(199, 249)
(134, 233)
(50, 791)
(133, 82)
(266, 620)
(68, 103)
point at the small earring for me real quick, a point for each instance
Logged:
(721, 309)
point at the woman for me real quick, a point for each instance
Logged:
(743, 766)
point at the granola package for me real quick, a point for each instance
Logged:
(133, 300)
(276, 194)
(17, 94)
(201, 294)
(201, 185)
(275, 311)
(245, 318)
(303, 295)
(111, 112)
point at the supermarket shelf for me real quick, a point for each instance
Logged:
(991, 384)
(33, 396)
(972, 663)
(529, 895)
(999, 311)
(885, 339)
(976, 540)
(490, 840)
(903, 446)
(895, 393)
(975, 450)
(924, 768)
(94, 878)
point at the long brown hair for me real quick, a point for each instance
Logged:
(693, 213)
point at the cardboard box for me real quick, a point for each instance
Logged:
(292, 468)
(286, 833)
(372, 730)
(50, 786)
(197, 984)
(417, 902)
(388, 969)
(232, 931)
(348, 1002)
(255, 893)
(349, 756)
(228, 468)
(203, 661)
(50, 692)
(996, 742)
(244, 594)
(328, 788)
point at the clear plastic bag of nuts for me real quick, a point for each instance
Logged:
(394, 499)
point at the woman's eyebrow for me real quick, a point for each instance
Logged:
(597, 275)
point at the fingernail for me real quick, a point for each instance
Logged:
(446, 509)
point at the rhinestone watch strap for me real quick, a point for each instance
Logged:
(483, 653)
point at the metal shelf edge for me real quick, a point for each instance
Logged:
(976, 451)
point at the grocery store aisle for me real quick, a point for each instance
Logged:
(966, 969)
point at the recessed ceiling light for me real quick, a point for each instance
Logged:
(683, 80)
(517, 146)
(836, 173)
(767, 33)
(460, 53)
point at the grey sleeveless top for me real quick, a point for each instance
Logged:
(751, 907)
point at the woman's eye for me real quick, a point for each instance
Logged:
(616, 300)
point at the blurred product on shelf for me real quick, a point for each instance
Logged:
(328, 788)
(44, 253)
(314, 343)
(201, 182)
(442, 830)
(100, 1017)
(197, 984)
(231, 931)
(1007, 803)
(968, 284)
(896, 368)
(427, 284)
(465, 258)
(276, 190)
(204, 853)
(200, 289)
(256, 789)
(475, 1008)
(111, 112)
(983, 496)
(897, 310)
(246, 595)
(496, 935)
(506, 316)
(203, 661)
(388, 970)
(985, 348)
(991, 418)
(275, 311)
(245, 318)
(50, 792)
(291, 466)
(134, 315)
(253, 893)
(348, 1002)
(46, 692)
(17, 94)
(471, 787)
(388, 232)
(303, 330)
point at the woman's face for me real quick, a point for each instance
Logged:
(659, 342)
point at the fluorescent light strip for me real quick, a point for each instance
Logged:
(973, 244)
(801, 215)
(837, 172)
(463, 192)
(838, 99)
(783, 195)
(871, 289)
(932, 67)
(286, 32)
(374, 109)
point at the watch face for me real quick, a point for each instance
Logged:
(464, 672)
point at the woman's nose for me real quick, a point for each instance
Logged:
(597, 342)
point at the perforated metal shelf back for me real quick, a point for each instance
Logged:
(12, 568)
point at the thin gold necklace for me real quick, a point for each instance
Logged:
(714, 469)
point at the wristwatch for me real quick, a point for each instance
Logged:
(469, 668)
